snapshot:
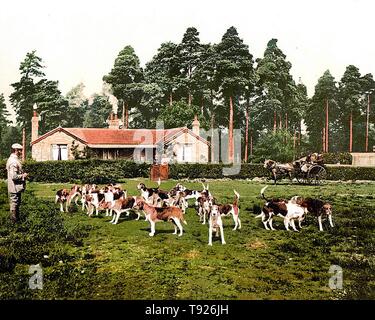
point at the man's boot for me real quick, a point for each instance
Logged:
(13, 216)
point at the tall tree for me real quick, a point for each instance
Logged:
(233, 66)
(180, 114)
(315, 117)
(368, 99)
(77, 105)
(4, 122)
(34, 88)
(52, 106)
(126, 78)
(4, 113)
(350, 103)
(151, 105)
(189, 55)
(163, 70)
(98, 112)
(23, 96)
(273, 72)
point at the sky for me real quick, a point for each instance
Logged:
(78, 40)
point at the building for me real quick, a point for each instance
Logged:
(179, 144)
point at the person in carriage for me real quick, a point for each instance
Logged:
(304, 164)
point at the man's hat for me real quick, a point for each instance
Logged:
(16, 146)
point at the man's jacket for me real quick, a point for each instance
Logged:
(16, 183)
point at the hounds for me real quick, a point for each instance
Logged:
(62, 198)
(154, 214)
(271, 208)
(232, 209)
(215, 225)
(294, 210)
(319, 209)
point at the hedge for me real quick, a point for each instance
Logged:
(88, 171)
(337, 157)
(105, 171)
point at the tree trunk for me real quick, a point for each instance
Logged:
(286, 121)
(170, 99)
(367, 122)
(230, 142)
(123, 115)
(281, 122)
(24, 144)
(212, 137)
(351, 132)
(327, 126)
(202, 109)
(126, 117)
(219, 132)
(251, 143)
(274, 121)
(189, 99)
(246, 133)
(324, 139)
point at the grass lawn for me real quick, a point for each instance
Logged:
(123, 262)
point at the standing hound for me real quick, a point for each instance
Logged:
(215, 225)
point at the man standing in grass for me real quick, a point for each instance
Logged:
(16, 180)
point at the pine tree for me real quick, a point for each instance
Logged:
(34, 88)
(233, 67)
(273, 72)
(97, 112)
(126, 78)
(315, 117)
(4, 122)
(77, 106)
(23, 96)
(163, 71)
(350, 104)
(189, 53)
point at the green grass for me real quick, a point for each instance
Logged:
(123, 262)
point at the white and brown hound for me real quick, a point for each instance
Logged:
(154, 214)
(215, 224)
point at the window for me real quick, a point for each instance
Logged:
(59, 152)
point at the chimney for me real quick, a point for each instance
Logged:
(114, 122)
(196, 125)
(34, 124)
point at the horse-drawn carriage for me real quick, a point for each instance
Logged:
(307, 170)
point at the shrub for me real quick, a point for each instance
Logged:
(105, 171)
(337, 157)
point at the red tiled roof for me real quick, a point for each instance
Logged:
(105, 136)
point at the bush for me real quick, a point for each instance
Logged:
(40, 230)
(105, 171)
(339, 157)
(350, 173)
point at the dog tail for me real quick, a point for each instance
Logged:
(258, 216)
(237, 197)
(237, 194)
(159, 182)
(183, 219)
(262, 192)
(204, 187)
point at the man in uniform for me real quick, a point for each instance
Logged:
(16, 180)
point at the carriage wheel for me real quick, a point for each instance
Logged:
(317, 174)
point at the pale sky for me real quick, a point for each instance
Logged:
(79, 40)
